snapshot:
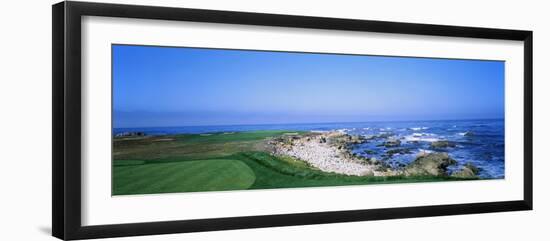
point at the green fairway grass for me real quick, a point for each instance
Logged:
(219, 162)
(189, 146)
(189, 176)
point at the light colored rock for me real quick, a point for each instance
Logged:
(328, 152)
(467, 171)
(432, 164)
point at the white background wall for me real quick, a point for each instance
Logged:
(25, 123)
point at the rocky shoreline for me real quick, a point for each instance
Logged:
(330, 152)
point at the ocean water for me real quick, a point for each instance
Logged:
(480, 142)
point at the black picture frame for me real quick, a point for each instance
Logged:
(66, 159)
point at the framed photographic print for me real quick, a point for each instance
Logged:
(170, 120)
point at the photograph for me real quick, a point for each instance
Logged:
(203, 119)
(170, 118)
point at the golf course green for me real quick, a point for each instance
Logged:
(219, 162)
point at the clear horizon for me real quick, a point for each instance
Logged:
(171, 87)
(312, 123)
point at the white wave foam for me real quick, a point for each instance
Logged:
(417, 134)
(343, 130)
(426, 137)
(423, 151)
(418, 128)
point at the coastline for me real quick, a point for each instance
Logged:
(265, 159)
(330, 152)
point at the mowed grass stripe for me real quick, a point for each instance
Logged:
(152, 175)
(187, 176)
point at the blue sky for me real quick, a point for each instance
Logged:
(165, 86)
